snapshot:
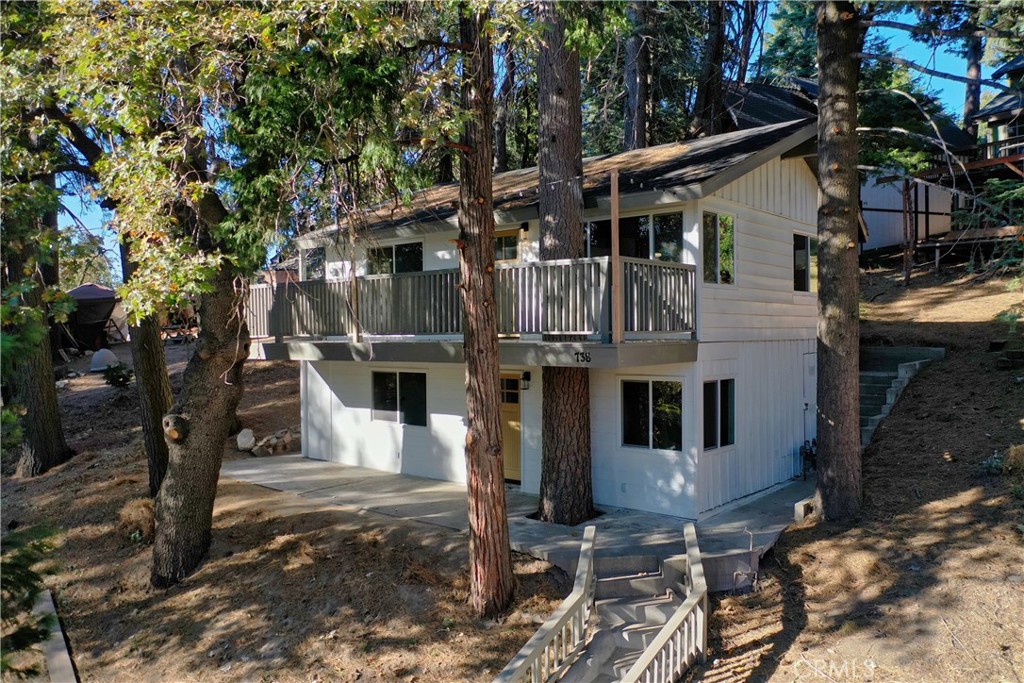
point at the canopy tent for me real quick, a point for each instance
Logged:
(97, 318)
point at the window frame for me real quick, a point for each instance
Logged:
(399, 413)
(718, 430)
(649, 381)
(810, 282)
(652, 244)
(718, 248)
(394, 257)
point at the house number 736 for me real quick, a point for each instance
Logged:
(582, 356)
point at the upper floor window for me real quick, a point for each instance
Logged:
(637, 239)
(398, 258)
(400, 397)
(805, 263)
(719, 248)
(652, 414)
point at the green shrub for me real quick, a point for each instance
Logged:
(119, 375)
(21, 552)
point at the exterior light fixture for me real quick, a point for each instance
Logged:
(524, 381)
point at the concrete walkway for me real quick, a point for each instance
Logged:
(620, 532)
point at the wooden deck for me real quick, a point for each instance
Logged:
(570, 297)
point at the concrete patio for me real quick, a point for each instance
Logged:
(725, 542)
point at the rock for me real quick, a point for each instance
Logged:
(286, 436)
(62, 384)
(88, 353)
(246, 440)
(260, 452)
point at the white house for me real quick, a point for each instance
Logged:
(702, 390)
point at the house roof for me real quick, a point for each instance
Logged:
(759, 104)
(1015, 64)
(1003, 105)
(691, 169)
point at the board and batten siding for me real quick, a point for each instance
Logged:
(663, 482)
(768, 206)
(338, 425)
(883, 212)
(770, 417)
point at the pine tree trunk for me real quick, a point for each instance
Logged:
(839, 466)
(153, 385)
(709, 110)
(566, 488)
(748, 24)
(501, 111)
(44, 445)
(490, 558)
(637, 74)
(972, 97)
(195, 429)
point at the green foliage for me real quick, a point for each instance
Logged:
(791, 49)
(22, 552)
(84, 258)
(118, 376)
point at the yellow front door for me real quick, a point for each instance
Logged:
(511, 427)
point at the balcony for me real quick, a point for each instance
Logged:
(545, 301)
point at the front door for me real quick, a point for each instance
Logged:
(511, 427)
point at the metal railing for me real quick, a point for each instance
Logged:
(554, 646)
(683, 639)
(569, 297)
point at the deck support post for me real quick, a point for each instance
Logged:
(617, 312)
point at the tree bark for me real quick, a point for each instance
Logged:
(490, 558)
(709, 111)
(44, 445)
(503, 103)
(153, 386)
(637, 74)
(747, 27)
(972, 96)
(838, 494)
(566, 488)
(195, 431)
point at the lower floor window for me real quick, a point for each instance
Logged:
(400, 397)
(719, 413)
(652, 414)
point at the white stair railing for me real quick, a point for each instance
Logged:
(684, 638)
(557, 642)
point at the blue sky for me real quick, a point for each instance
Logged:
(950, 93)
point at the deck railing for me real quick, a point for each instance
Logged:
(684, 637)
(556, 643)
(570, 297)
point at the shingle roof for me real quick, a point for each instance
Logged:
(1015, 64)
(672, 165)
(759, 104)
(1006, 102)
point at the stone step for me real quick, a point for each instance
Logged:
(885, 378)
(873, 390)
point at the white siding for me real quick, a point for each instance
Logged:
(664, 482)
(883, 212)
(338, 425)
(783, 187)
(769, 417)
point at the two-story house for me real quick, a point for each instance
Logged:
(696, 317)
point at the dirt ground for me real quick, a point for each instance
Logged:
(928, 584)
(291, 591)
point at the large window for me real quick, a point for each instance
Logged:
(719, 249)
(637, 239)
(399, 258)
(805, 263)
(652, 414)
(400, 397)
(719, 413)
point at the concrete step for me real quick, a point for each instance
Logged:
(888, 359)
(640, 585)
(873, 391)
(885, 378)
(622, 565)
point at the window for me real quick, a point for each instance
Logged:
(400, 397)
(668, 237)
(506, 246)
(805, 263)
(652, 414)
(719, 413)
(400, 258)
(719, 254)
(509, 390)
(637, 239)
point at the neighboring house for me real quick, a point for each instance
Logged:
(757, 104)
(1003, 115)
(702, 390)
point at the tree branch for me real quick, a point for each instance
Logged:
(930, 72)
(77, 135)
(938, 32)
